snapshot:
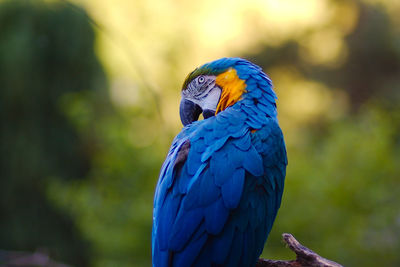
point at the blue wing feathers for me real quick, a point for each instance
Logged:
(254, 124)
(249, 247)
(187, 256)
(183, 228)
(236, 131)
(209, 209)
(256, 94)
(253, 163)
(215, 216)
(251, 82)
(204, 258)
(210, 192)
(194, 161)
(222, 243)
(242, 69)
(160, 257)
(199, 146)
(243, 143)
(223, 120)
(233, 258)
(167, 215)
(218, 207)
(222, 174)
(232, 189)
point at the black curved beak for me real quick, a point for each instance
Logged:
(189, 111)
(207, 113)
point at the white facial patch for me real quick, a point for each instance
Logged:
(204, 92)
(211, 100)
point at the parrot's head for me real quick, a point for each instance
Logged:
(215, 86)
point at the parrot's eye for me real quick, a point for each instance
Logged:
(201, 79)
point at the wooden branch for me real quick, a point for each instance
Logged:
(304, 257)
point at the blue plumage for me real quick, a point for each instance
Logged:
(221, 184)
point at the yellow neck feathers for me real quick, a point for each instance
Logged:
(232, 89)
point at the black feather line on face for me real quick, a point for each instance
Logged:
(199, 71)
(197, 90)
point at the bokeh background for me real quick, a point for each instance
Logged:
(89, 95)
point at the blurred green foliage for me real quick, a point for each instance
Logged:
(78, 174)
(46, 55)
(342, 194)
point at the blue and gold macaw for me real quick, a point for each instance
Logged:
(221, 184)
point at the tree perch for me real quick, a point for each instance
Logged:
(304, 257)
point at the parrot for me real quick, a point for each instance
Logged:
(221, 185)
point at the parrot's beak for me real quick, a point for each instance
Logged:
(207, 113)
(189, 111)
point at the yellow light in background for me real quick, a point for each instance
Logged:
(344, 17)
(156, 43)
(303, 100)
(290, 16)
(124, 93)
(326, 44)
(210, 29)
(325, 47)
(218, 23)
